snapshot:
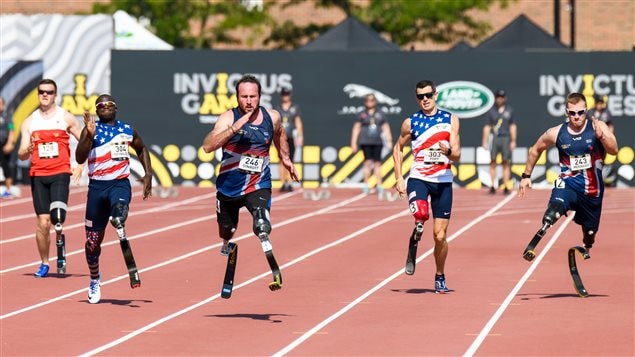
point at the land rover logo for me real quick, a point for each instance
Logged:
(465, 99)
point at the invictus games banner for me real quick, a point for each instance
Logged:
(174, 98)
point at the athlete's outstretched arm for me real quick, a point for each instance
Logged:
(144, 157)
(547, 139)
(282, 145)
(605, 135)
(397, 156)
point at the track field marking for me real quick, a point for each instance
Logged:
(499, 312)
(400, 272)
(33, 215)
(131, 214)
(188, 255)
(17, 201)
(250, 281)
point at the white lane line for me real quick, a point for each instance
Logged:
(185, 256)
(250, 281)
(131, 214)
(397, 274)
(501, 309)
(17, 201)
(34, 216)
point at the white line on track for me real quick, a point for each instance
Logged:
(33, 215)
(17, 201)
(501, 309)
(131, 214)
(250, 281)
(397, 274)
(185, 256)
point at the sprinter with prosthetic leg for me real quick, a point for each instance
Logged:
(434, 136)
(582, 145)
(245, 135)
(106, 144)
(58, 217)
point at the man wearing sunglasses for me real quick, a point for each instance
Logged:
(434, 136)
(104, 144)
(581, 144)
(245, 135)
(45, 139)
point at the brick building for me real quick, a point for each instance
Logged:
(600, 25)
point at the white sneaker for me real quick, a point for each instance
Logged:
(94, 290)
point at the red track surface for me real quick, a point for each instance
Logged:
(344, 289)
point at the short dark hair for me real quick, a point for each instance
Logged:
(248, 78)
(105, 98)
(575, 98)
(47, 81)
(426, 83)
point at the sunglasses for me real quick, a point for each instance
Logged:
(105, 105)
(429, 95)
(573, 113)
(42, 91)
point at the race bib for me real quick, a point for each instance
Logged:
(48, 150)
(251, 164)
(578, 163)
(559, 183)
(119, 151)
(433, 156)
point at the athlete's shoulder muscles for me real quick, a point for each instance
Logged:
(73, 125)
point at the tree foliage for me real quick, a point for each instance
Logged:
(173, 21)
(404, 21)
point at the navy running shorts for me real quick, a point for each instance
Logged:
(440, 195)
(102, 197)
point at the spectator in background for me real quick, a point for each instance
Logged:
(291, 120)
(7, 142)
(499, 136)
(367, 134)
(600, 112)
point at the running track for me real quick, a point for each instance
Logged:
(344, 289)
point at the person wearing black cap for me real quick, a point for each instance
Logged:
(499, 136)
(290, 115)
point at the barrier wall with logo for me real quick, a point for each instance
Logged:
(174, 98)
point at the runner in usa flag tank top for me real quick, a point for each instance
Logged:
(426, 133)
(245, 163)
(581, 160)
(109, 158)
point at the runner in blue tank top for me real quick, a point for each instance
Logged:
(581, 145)
(245, 135)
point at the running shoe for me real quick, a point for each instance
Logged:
(94, 290)
(439, 284)
(492, 191)
(42, 271)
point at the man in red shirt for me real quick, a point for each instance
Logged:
(45, 139)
